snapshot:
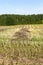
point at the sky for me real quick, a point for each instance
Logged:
(23, 7)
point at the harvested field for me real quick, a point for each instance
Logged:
(21, 45)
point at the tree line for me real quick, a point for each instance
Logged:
(11, 19)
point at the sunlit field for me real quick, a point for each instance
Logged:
(21, 45)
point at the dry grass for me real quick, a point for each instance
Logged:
(21, 45)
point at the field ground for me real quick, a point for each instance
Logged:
(21, 45)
